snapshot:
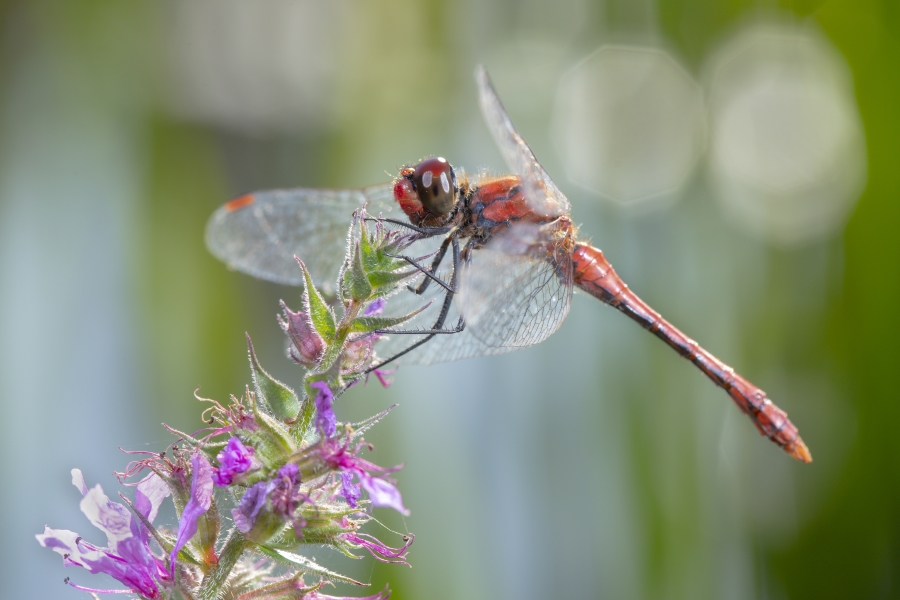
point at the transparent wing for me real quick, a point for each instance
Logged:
(514, 293)
(260, 233)
(519, 289)
(541, 192)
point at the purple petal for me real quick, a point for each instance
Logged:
(77, 552)
(150, 493)
(383, 493)
(233, 460)
(199, 503)
(148, 497)
(326, 421)
(289, 471)
(349, 490)
(78, 481)
(251, 503)
(374, 308)
(382, 375)
(378, 549)
(111, 518)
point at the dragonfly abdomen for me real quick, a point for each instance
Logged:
(594, 275)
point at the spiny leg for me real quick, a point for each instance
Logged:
(430, 274)
(437, 328)
(425, 231)
(445, 309)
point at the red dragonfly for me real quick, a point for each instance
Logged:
(514, 260)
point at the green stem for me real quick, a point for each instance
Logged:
(215, 579)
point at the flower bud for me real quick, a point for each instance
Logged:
(307, 346)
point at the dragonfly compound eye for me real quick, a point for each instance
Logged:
(435, 184)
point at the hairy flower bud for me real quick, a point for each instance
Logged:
(307, 346)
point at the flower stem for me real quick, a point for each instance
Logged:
(234, 548)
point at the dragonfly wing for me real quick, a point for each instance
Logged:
(511, 294)
(442, 347)
(517, 290)
(260, 233)
(542, 193)
(449, 348)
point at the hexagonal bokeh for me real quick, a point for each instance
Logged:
(629, 124)
(787, 152)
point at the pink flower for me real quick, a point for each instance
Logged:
(127, 557)
(378, 549)
(382, 492)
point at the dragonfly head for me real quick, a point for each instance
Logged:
(427, 189)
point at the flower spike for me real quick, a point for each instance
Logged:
(289, 468)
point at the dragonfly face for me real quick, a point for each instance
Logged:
(435, 183)
(427, 192)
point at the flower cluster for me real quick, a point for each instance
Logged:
(277, 464)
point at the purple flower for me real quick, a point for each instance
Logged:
(283, 490)
(251, 503)
(233, 460)
(326, 421)
(307, 345)
(381, 491)
(267, 505)
(197, 505)
(376, 307)
(127, 558)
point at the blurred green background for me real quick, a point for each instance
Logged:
(738, 162)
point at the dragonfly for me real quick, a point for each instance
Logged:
(504, 261)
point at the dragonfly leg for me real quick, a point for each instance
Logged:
(438, 326)
(426, 231)
(460, 325)
(430, 273)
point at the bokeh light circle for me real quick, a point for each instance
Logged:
(787, 152)
(629, 124)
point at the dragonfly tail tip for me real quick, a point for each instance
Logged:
(799, 451)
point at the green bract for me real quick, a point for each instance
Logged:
(280, 399)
